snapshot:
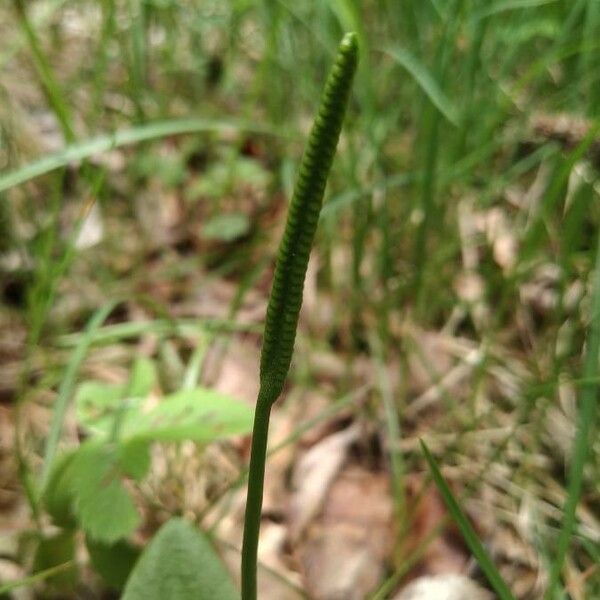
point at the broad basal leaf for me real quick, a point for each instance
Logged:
(179, 564)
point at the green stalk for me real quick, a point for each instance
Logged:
(288, 283)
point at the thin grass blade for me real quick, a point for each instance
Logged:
(67, 386)
(125, 137)
(426, 82)
(469, 535)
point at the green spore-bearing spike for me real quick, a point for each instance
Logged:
(294, 250)
(288, 284)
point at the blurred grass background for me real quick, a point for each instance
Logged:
(457, 241)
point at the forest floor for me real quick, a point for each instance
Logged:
(448, 298)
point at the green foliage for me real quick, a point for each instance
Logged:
(170, 170)
(201, 415)
(98, 404)
(469, 534)
(179, 564)
(66, 388)
(113, 562)
(125, 137)
(427, 82)
(103, 507)
(86, 486)
(443, 129)
(57, 497)
(226, 228)
(54, 551)
(134, 458)
(232, 175)
(142, 378)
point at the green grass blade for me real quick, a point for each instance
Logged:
(502, 7)
(67, 386)
(469, 535)
(588, 404)
(124, 137)
(36, 577)
(39, 20)
(426, 82)
(50, 84)
(110, 334)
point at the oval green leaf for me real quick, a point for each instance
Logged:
(179, 564)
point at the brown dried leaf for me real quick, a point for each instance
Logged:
(445, 552)
(314, 473)
(235, 373)
(444, 587)
(502, 238)
(345, 552)
(159, 213)
(567, 129)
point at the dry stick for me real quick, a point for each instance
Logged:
(288, 283)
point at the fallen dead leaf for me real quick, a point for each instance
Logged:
(444, 587)
(501, 237)
(275, 494)
(9, 477)
(234, 370)
(567, 129)
(159, 213)
(444, 553)
(91, 230)
(313, 474)
(428, 359)
(470, 288)
(274, 580)
(540, 294)
(344, 554)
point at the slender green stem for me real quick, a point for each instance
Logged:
(258, 457)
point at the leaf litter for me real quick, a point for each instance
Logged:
(330, 530)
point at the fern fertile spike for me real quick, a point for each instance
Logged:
(294, 251)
